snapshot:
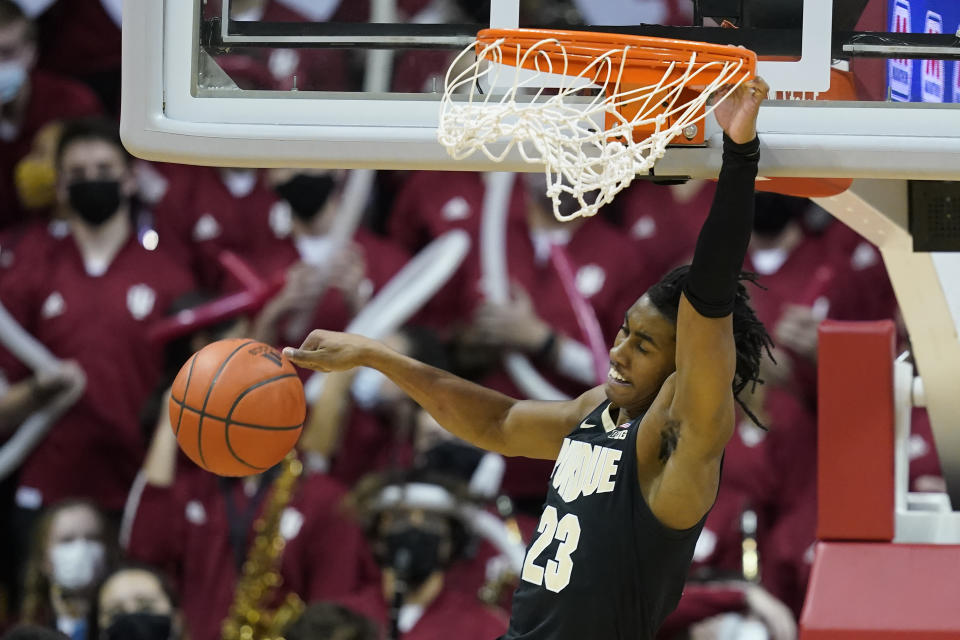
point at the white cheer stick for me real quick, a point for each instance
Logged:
(496, 281)
(404, 294)
(38, 358)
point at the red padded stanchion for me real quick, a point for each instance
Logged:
(877, 591)
(855, 492)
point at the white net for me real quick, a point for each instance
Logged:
(585, 142)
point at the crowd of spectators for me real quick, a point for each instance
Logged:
(108, 531)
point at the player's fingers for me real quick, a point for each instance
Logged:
(298, 355)
(305, 359)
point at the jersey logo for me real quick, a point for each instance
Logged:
(645, 227)
(206, 228)
(281, 219)
(456, 209)
(590, 279)
(195, 513)
(53, 306)
(140, 301)
(583, 469)
(291, 521)
(620, 433)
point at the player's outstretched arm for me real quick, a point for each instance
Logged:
(702, 409)
(481, 416)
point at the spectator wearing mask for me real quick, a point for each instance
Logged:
(89, 295)
(326, 283)
(72, 549)
(29, 99)
(410, 521)
(206, 210)
(328, 621)
(200, 528)
(136, 602)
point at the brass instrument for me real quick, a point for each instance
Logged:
(249, 618)
(492, 590)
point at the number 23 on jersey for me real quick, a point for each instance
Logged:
(556, 575)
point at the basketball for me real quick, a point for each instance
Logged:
(237, 407)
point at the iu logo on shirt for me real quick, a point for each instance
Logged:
(53, 306)
(140, 301)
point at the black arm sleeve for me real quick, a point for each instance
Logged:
(711, 285)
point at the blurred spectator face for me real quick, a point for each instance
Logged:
(17, 56)
(75, 553)
(413, 544)
(94, 180)
(134, 606)
(309, 192)
(328, 621)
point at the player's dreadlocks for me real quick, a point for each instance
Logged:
(749, 334)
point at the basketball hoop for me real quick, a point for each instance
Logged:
(595, 108)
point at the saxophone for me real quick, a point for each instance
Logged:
(249, 618)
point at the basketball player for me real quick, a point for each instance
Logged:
(638, 459)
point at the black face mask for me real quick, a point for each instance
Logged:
(413, 553)
(774, 212)
(453, 459)
(770, 223)
(307, 194)
(95, 201)
(139, 626)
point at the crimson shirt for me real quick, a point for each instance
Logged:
(663, 228)
(451, 615)
(95, 449)
(78, 37)
(429, 204)
(51, 98)
(185, 531)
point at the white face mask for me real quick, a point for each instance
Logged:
(12, 77)
(76, 564)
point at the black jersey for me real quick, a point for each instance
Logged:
(600, 566)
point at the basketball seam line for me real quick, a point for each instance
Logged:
(240, 397)
(212, 416)
(186, 388)
(213, 382)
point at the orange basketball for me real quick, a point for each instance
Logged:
(237, 407)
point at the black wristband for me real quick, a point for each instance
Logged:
(748, 150)
(711, 285)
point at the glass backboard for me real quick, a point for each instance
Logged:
(338, 84)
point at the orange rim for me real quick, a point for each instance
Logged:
(647, 58)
